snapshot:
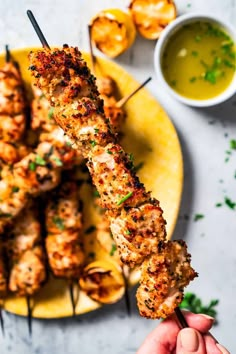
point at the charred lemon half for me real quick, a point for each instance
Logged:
(103, 282)
(112, 32)
(152, 16)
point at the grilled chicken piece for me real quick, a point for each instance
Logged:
(24, 246)
(68, 85)
(43, 122)
(38, 172)
(138, 231)
(106, 86)
(163, 278)
(64, 227)
(11, 153)
(12, 104)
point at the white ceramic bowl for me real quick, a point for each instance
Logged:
(160, 46)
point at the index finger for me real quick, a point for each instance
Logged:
(162, 339)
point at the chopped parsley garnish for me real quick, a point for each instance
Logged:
(109, 152)
(32, 166)
(40, 161)
(122, 200)
(194, 53)
(58, 161)
(68, 143)
(5, 215)
(50, 113)
(93, 143)
(218, 205)
(194, 304)
(96, 194)
(15, 189)
(192, 79)
(233, 144)
(96, 130)
(113, 249)
(131, 157)
(230, 203)
(90, 229)
(173, 83)
(58, 222)
(198, 217)
(127, 232)
(198, 38)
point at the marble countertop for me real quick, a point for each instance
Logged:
(204, 134)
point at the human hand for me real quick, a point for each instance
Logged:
(168, 338)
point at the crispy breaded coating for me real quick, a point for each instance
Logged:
(163, 278)
(24, 246)
(64, 227)
(138, 231)
(113, 175)
(12, 103)
(136, 219)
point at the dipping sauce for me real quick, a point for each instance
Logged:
(199, 60)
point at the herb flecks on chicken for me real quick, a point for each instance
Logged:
(66, 81)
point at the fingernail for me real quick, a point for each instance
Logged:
(189, 339)
(207, 317)
(222, 349)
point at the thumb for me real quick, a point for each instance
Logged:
(189, 340)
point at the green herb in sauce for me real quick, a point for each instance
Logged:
(199, 60)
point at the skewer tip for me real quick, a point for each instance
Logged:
(2, 323)
(181, 319)
(37, 29)
(29, 315)
(8, 55)
(72, 299)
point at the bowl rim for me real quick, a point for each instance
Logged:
(167, 33)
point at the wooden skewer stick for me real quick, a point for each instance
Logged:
(72, 299)
(29, 315)
(2, 321)
(125, 99)
(127, 297)
(120, 103)
(92, 56)
(181, 319)
(8, 54)
(37, 29)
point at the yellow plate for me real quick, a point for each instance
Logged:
(151, 137)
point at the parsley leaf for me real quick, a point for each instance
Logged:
(198, 217)
(113, 249)
(230, 203)
(50, 113)
(194, 304)
(58, 222)
(40, 161)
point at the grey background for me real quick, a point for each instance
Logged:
(204, 135)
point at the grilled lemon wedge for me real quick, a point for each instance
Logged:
(103, 282)
(152, 16)
(112, 32)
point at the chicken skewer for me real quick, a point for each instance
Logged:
(64, 227)
(12, 113)
(26, 257)
(135, 218)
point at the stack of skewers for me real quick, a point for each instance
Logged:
(41, 213)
